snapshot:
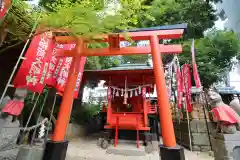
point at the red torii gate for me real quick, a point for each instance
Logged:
(169, 150)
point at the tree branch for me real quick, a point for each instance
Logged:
(7, 48)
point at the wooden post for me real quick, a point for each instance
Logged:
(116, 132)
(162, 94)
(138, 144)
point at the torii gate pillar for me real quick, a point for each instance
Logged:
(170, 150)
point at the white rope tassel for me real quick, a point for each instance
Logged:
(139, 90)
(42, 131)
(121, 92)
(114, 91)
(117, 93)
(136, 93)
(125, 98)
(131, 93)
(126, 94)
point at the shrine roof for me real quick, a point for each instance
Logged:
(134, 72)
(167, 27)
(124, 67)
(227, 90)
(131, 67)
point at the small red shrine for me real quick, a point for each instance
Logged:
(128, 107)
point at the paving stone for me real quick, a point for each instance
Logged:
(75, 158)
(92, 152)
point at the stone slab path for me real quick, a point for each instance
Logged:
(87, 149)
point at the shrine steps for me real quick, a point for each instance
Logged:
(141, 128)
(127, 148)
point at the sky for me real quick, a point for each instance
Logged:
(35, 2)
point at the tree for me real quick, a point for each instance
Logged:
(214, 51)
(214, 54)
(18, 24)
(199, 14)
(86, 21)
(128, 16)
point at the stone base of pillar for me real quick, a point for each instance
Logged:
(226, 146)
(55, 150)
(167, 153)
(30, 152)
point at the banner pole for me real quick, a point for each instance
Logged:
(18, 61)
(189, 127)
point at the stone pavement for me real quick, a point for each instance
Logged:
(87, 149)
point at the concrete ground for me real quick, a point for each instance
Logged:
(87, 149)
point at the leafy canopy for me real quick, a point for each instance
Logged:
(88, 19)
(199, 14)
(214, 54)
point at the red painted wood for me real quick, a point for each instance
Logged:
(144, 35)
(116, 132)
(137, 128)
(165, 49)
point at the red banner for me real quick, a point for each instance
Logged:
(56, 65)
(4, 7)
(195, 70)
(34, 68)
(53, 64)
(179, 86)
(63, 75)
(186, 74)
(41, 66)
(79, 79)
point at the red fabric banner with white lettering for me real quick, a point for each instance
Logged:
(4, 7)
(41, 66)
(80, 74)
(187, 83)
(63, 75)
(34, 68)
(179, 86)
(60, 69)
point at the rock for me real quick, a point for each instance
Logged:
(8, 137)
(4, 101)
(196, 148)
(210, 153)
(205, 148)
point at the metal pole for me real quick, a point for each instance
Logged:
(33, 96)
(29, 118)
(50, 119)
(38, 119)
(189, 128)
(205, 116)
(18, 61)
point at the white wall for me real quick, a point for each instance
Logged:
(232, 11)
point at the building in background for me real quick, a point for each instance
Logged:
(229, 12)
